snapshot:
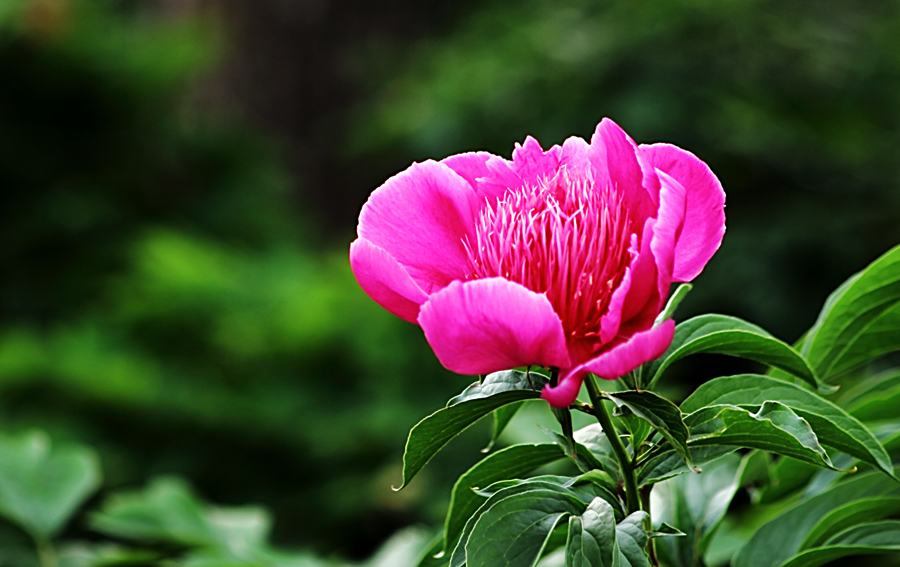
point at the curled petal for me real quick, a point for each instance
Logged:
(482, 326)
(420, 217)
(704, 223)
(385, 280)
(668, 229)
(614, 363)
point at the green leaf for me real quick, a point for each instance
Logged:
(660, 413)
(585, 459)
(675, 300)
(782, 537)
(458, 557)
(879, 404)
(631, 539)
(167, 511)
(833, 426)
(41, 486)
(775, 428)
(592, 537)
(431, 434)
(666, 463)
(510, 462)
(502, 416)
(866, 539)
(721, 334)
(852, 513)
(859, 320)
(514, 531)
(594, 441)
(696, 503)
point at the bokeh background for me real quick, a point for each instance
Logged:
(180, 181)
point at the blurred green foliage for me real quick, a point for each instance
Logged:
(165, 300)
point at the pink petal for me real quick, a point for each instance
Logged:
(668, 229)
(575, 158)
(614, 160)
(637, 293)
(482, 326)
(385, 280)
(532, 163)
(420, 217)
(615, 363)
(472, 167)
(704, 224)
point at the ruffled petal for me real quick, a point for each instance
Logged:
(385, 280)
(472, 166)
(704, 223)
(575, 159)
(532, 163)
(482, 326)
(614, 363)
(615, 163)
(421, 217)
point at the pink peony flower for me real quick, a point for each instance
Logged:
(560, 258)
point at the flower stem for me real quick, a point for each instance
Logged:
(632, 498)
(46, 553)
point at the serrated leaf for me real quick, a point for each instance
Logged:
(858, 320)
(663, 415)
(852, 513)
(781, 538)
(866, 539)
(514, 531)
(592, 537)
(833, 426)
(41, 486)
(775, 428)
(431, 434)
(511, 462)
(722, 334)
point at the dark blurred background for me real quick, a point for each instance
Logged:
(180, 181)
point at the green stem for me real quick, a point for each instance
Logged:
(648, 523)
(631, 491)
(46, 553)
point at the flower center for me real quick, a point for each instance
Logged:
(566, 239)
